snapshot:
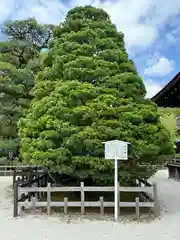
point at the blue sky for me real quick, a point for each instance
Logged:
(151, 28)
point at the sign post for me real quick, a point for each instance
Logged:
(116, 150)
(116, 190)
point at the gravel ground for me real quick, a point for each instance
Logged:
(52, 228)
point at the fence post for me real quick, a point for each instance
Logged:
(169, 174)
(14, 177)
(176, 174)
(137, 207)
(102, 205)
(65, 205)
(156, 201)
(119, 200)
(23, 177)
(38, 185)
(82, 198)
(5, 172)
(43, 185)
(48, 198)
(30, 174)
(15, 208)
(34, 204)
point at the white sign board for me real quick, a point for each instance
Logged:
(116, 150)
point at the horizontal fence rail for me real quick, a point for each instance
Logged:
(88, 204)
(85, 189)
(7, 170)
(151, 190)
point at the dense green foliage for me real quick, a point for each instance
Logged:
(168, 119)
(13, 98)
(88, 93)
(19, 61)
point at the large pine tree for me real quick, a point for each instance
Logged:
(89, 93)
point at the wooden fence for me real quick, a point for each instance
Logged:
(21, 173)
(7, 170)
(174, 171)
(150, 191)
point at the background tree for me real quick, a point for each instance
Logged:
(20, 59)
(88, 93)
(168, 118)
(25, 39)
(13, 98)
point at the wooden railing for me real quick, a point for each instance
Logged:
(174, 170)
(34, 202)
(7, 170)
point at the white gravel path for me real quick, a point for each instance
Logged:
(51, 228)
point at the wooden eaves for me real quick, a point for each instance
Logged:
(167, 88)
